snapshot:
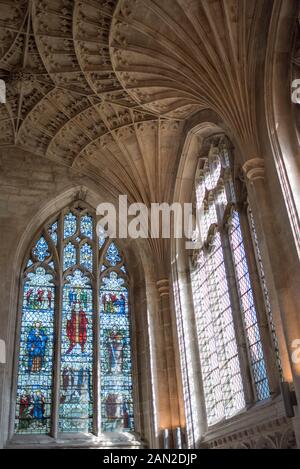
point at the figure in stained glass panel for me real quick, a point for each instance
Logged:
(77, 355)
(34, 388)
(115, 350)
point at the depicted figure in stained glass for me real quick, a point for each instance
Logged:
(24, 410)
(111, 406)
(49, 298)
(38, 410)
(36, 347)
(67, 378)
(121, 303)
(116, 343)
(28, 296)
(77, 328)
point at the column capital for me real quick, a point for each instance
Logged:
(254, 169)
(163, 287)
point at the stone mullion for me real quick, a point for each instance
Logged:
(57, 330)
(171, 396)
(96, 339)
(286, 289)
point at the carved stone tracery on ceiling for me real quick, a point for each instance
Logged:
(106, 85)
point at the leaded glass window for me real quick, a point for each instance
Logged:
(74, 285)
(223, 294)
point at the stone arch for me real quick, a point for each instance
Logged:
(142, 300)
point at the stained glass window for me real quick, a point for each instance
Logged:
(34, 387)
(60, 280)
(115, 346)
(76, 355)
(223, 292)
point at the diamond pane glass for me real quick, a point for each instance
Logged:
(265, 291)
(222, 383)
(34, 388)
(248, 310)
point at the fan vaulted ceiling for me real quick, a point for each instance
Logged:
(106, 86)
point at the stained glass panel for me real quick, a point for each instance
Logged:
(70, 225)
(86, 256)
(75, 412)
(69, 256)
(34, 388)
(86, 226)
(115, 349)
(222, 383)
(113, 255)
(53, 232)
(40, 250)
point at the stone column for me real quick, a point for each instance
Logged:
(282, 270)
(169, 409)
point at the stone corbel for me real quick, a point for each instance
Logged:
(254, 169)
(163, 287)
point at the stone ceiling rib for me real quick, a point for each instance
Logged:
(106, 86)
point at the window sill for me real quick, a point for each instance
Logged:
(259, 414)
(76, 440)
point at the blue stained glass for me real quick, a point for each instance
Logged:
(29, 263)
(86, 256)
(53, 232)
(76, 405)
(115, 349)
(34, 388)
(70, 225)
(113, 254)
(101, 234)
(86, 226)
(69, 256)
(40, 250)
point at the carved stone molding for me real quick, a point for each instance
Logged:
(275, 434)
(254, 169)
(163, 287)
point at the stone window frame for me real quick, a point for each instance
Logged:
(258, 283)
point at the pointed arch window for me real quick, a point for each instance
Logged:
(228, 312)
(74, 364)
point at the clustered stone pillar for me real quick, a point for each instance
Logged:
(284, 268)
(169, 418)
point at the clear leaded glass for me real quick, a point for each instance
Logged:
(222, 256)
(248, 310)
